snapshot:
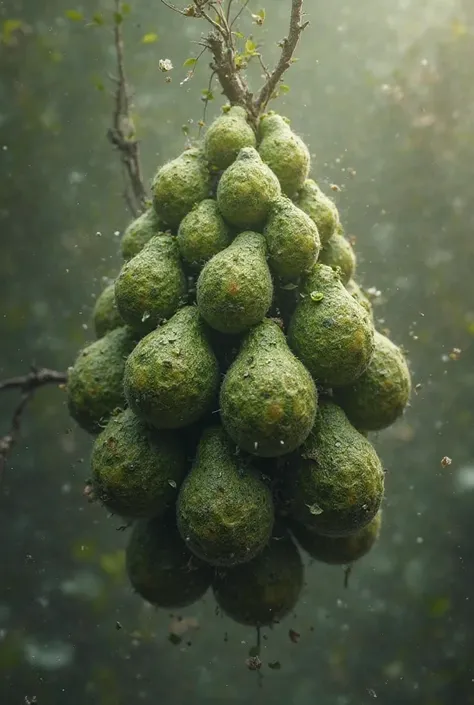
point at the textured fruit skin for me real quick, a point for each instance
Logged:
(338, 550)
(358, 294)
(160, 567)
(265, 590)
(172, 376)
(226, 136)
(329, 331)
(235, 288)
(225, 512)
(320, 208)
(292, 240)
(179, 185)
(139, 232)
(338, 252)
(105, 315)
(285, 153)
(246, 191)
(95, 382)
(268, 399)
(133, 466)
(152, 285)
(379, 396)
(203, 233)
(335, 480)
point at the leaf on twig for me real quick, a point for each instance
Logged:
(207, 94)
(239, 35)
(250, 48)
(149, 38)
(259, 17)
(284, 88)
(118, 17)
(74, 15)
(190, 62)
(126, 9)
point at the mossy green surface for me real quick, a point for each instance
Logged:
(338, 550)
(225, 512)
(105, 315)
(356, 291)
(235, 288)
(139, 232)
(265, 590)
(136, 470)
(268, 399)
(152, 285)
(335, 481)
(179, 185)
(329, 331)
(95, 381)
(172, 376)
(203, 233)
(320, 208)
(292, 240)
(379, 396)
(160, 567)
(285, 153)
(338, 252)
(246, 191)
(226, 136)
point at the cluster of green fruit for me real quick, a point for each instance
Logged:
(235, 377)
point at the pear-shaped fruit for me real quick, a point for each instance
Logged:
(320, 208)
(203, 233)
(329, 331)
(225, 512)
(226, 136)
(268, 399)
(235, 289)
(172, 376)
(292, 240)
(246, 190)
(338, 252)
(152, 285)
(356, 291)
(179, 185)
(285, 153)
(379, 396)
(335, 480)
(105, 314)
(139, 232)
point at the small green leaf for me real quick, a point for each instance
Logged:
(239, 35)
(284, 88)
(261, 13)
(316, 296)
(207, 95)
(149, 38)
(190, 62)
(259, 17)
(98, 83)
(98, 19)
(126, 9)
(74, 15)
(118, 17)
(250, 47)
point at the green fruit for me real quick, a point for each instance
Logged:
(179, 185)
(338, 252)
(160, 567)
(105, 314)
(338, 550)
(265, 590)
(320, 208)
(235, 289)
(226, 136)
(136, 470)
(358, 294)
(225, 512)
(202, 234)
(139, 232)
(292, 240)
(379, 396)
(335, 480)
(268, 399)
(172, 376)
(246, 191)
(329, 331)
(152, 285)
(284, 152)
(95, 382)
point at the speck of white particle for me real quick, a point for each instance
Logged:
(117, 233)
(372, 692)
(255, 445)
(424, 62)
(145, 316)
(4, 147)
(85, 326)
(282, 443)
(99, 234)
(419, 539)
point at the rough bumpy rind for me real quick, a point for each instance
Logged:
(226, 136)
(105, 315)
(338, 252)
(246, 191)
(225, 512)
(235, 288)
(358, 294)
(285, 153)
(329, 331)
(379, 396)
(320, 208)
(160, 567)
(152, 285)
(292, 240)
(136, 470)
(265, 590)
(268, 399)
(95, 382)
(335, 480)
(139, 232)
(202, 234)
(179, 185)
(172, 376)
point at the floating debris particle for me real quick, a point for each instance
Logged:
(118, 625)
(253, 663)
(294, 636)
(274, 665)
(172, 483)
(174, 639)
(455, 354)
(446, 461)
(335, 187)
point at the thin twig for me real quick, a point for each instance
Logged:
(174, 8)
(206, 103)
(244, 7)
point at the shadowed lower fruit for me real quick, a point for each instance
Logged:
(105, 315)
(338, 252)
(139, 232)
(285, 153)
(225, 512)
(320, 208)
(202, 234)
(226, 136)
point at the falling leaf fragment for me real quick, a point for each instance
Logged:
(172, 483)
(294, 636)
(315, 509)
(274, 665)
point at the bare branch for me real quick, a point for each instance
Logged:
(244, 7)
(174, 8)
(232, 82)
